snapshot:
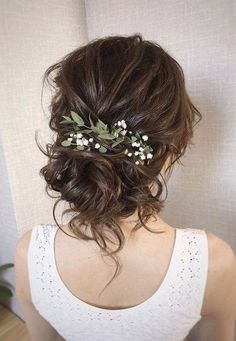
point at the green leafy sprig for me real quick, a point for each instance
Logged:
(5, 292)
(100, 131)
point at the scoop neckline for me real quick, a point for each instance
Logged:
(138, 306)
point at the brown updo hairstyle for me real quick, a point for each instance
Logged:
(115, 78)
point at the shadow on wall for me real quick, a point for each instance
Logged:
(8, 232)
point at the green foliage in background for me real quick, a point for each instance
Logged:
(4, 291)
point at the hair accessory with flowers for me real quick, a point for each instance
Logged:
(99, 131)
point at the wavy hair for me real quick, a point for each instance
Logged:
(114, 78)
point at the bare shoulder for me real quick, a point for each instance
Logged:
(23, 242)
(21, 248)
(220, 294)
(21, 267)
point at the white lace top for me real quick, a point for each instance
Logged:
(168, 315)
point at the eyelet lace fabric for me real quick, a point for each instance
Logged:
(168, 315)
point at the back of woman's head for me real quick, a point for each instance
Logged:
(116, 78)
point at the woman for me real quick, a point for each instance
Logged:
(122, 117)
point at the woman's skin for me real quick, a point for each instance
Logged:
(145, 255)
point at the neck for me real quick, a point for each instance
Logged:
(127, 224)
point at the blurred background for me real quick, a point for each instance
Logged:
(200, 34)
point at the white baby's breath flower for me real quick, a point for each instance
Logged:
(69, 138)
(71, 134)
(141, 149)
(123, 132)
(123, 124)
(85, 142)
(129, 154)
(91, 139)
(130, 131)
(137, 144)
(137, 162)
(142, 157)
(145, 137)
(119, 123)
(136, 153)
(79, 135)
(149, 156)
(97, 145)
(126, 151)
(79, 142)
(134, 144)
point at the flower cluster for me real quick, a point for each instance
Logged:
(119, 135)
(134, 143)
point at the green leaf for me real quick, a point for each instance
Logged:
(102, 149)
(133, 139)
(6, 266)
(80, 147)
(121, 139)
(107, 136)
(119, 130)
(115, 143)
(96, 130)
(118, 141)
(65, 122)
(102, 125)
(68, 118)
(127, 139)
(146, 149)
(66, 143)
(5, 292)
(77, 118)
(86, 131)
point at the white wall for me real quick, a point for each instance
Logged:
(33, 35)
